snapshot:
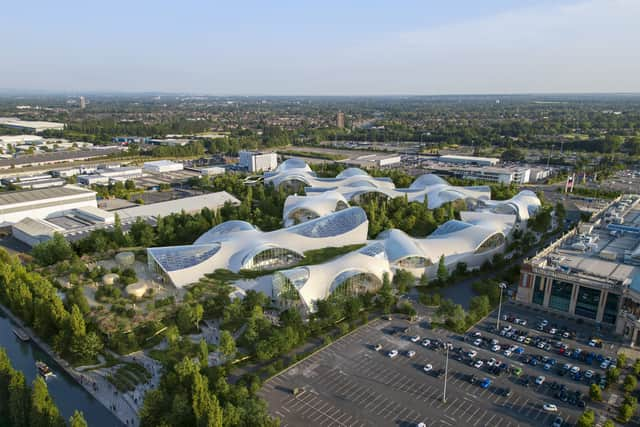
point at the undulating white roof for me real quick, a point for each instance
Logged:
(237, 245)
(302, 208)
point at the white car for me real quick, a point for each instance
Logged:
(521, 338)
(477, 334)
(550, 407)
(477, 342)
(472, 353)
(378, 347)
(479, 364)
(426, 343)
(415, 338)
(544, 322)
(392, 353)
(553, 331)
(575, 370)
(421, 425)
(588, 374)
(522, 322)
(540, 380)
(507, 353)
(541, 344)
(491, 362)
(428, 367)
(411, 353)
(496, 348)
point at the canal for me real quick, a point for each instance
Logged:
(66, 393)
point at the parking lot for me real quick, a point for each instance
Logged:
(352, 383)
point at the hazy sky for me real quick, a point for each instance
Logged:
(322, 47)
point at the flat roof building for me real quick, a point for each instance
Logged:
(162, 166)
(193, 204)
(592, 272)
(33, 126)
(41, 203)
(469, 160)
(255, 161)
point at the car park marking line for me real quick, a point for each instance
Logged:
(488, 423)
(377, 404)
(474, 414)
(390, 414)
(481, 417)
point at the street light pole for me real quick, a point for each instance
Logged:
(446, 371)
(502, 285)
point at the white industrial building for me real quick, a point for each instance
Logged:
(104, 176)
(162, 166)
(32, 126)
(213, 201)
(255, 161)
(41, 203)
(469, 160)
(212, 170)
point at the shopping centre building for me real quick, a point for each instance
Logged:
(592, 272)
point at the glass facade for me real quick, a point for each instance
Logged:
(560, 298)
(413, 262)
(272, 258)
(611, 308)
(491, 243)
(538, 291)
(587, 302)
(354, 284)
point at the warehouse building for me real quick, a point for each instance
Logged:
(31, 126)
(42, 203)
(162, 166)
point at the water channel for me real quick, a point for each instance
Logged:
(65, 391)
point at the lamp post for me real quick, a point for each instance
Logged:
(446, 371)
(502, 286)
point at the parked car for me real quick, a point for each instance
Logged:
(415, 338)
(392, 353)
(479, 364)
(540, 380)
(377, 347)
(428, 367)
(550, 407)
(485, 383)
(411, 353)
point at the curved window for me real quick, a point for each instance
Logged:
(272, 258)
(413, 262)
(332, 225)
(293, 185)
(340, 205)
(351, 283)
(492, 242)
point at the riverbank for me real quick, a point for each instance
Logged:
(100, 392)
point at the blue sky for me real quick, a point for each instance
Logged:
(322, 47)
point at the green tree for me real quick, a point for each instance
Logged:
(227, 344)
(52, 251)
(630, 383)
(424, 279)
(625, 413)
(19, 401)
(443, 273)
(609, 423)
(77, 420)
(203, 353)
(595, 393)
(613, 374)
(403, 280)
(587, 419)
(43, 413)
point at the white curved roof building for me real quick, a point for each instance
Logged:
(237, 245)
(298, 209)
(297, 174)
(354, 182)
(524, 205)
(472, 241)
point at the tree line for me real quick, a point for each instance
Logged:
(24, 405)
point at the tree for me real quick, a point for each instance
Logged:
(595, 393)
(587, 419)
(204, 353)
(198, 312)
(43, 411)
(424, 280)
(636, 367)
(403, 280)
(385, 297)
(77, 420)
(52, 251)
(19, 401)
(443, 273)
(608, 423)
(613, 374)
(630, 383)
(625, 412)
(227, 344)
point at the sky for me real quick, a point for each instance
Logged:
(321, 47)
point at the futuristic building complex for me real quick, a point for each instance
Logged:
(353, 183)
(473, 240)
(238, 245)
